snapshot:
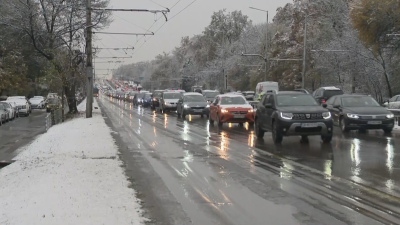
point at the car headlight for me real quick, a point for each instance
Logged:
(208, 106)
(250, 110)
(352, 116)
(390, 116)
(186, 106)
(326, 115)
(224, 111)
(154, 99)
(287, 116)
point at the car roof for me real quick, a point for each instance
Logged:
(330, 88)
(209, 91)
(170, 92)
(231, 95)
(192, 93)
(291, 93)
(351, 95)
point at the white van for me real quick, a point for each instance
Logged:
(266, 86)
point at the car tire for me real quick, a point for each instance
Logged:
(258, 131)
(219, 122)
(387, 130)
(326, 138)
(343, 125)
(277, 137)
(211, 120)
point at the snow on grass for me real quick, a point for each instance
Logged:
(70, 175)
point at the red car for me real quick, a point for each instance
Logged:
(231, 108)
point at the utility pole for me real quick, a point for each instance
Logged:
(89, 66)
(304, 53)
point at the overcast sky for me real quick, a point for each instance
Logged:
(188, 22)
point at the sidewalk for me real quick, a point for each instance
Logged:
(69, 175)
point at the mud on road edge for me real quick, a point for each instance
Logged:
(158, 204)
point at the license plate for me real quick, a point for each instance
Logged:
(308, 125)
(238, 116)
(198, 110)
(374, 122)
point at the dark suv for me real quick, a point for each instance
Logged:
(322, 94)
(290, 113)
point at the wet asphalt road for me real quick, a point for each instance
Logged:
(226, 176)
(19, 132)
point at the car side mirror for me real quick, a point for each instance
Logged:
(336, 106)
(324, 105)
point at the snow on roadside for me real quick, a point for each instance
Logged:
(82, 106)
(69, 175)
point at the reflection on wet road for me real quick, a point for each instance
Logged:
(228, 176)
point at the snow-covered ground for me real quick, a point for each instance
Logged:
(69, 175)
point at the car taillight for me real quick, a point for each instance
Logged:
(323, 101)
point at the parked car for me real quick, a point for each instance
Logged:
(3, 114)
(322, 94)
(37, 103)
(53, 104)
(10, 110)
(23, 105)
(393, 103)
(155, 101)
(290, 113)
(209, 95)
(192, 103)
(231, 108)
(169, 101)
(15, 107)
(359, 112)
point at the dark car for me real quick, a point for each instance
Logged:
(169, 100)
(146, 100)
(322, 94)
(138, 98)
(209, 95)
(192, 103)
(155, 101)
(291, 113)
(362, 112)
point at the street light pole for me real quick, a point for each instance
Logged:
(304, 53)
(266, 43)
(89, 66)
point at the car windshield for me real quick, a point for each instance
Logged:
(194, 98)
(53, 101)
(233, 101)
(359, 101)
(147, 96)
(210, 94)
(172, 95)
(330, 93)
(248, 93)
(296, 100)
(141, 95)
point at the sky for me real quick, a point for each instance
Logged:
(186, 18)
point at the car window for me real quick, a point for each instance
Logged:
(216, 100)
(329, 93)
(393, 99)
(296, 100)
(331, 101)
(265, 99)
(239, 100)
(337, 101)
(210, 94)
(359, 101)
(194, 98)
(398, 98)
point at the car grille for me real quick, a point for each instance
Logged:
(381, 117)
(311, 129)
(238, 112)
(303, 116)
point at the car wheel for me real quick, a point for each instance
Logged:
(387, 130)
(259, 132)
(219, 122)
(276, 135)
(211, 120)
(343, 125)
(326, 138)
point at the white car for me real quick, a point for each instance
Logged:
(10, 110)
(37, 102)
(23, 106)
(4, 116)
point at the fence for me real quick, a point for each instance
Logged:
(55, 117)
